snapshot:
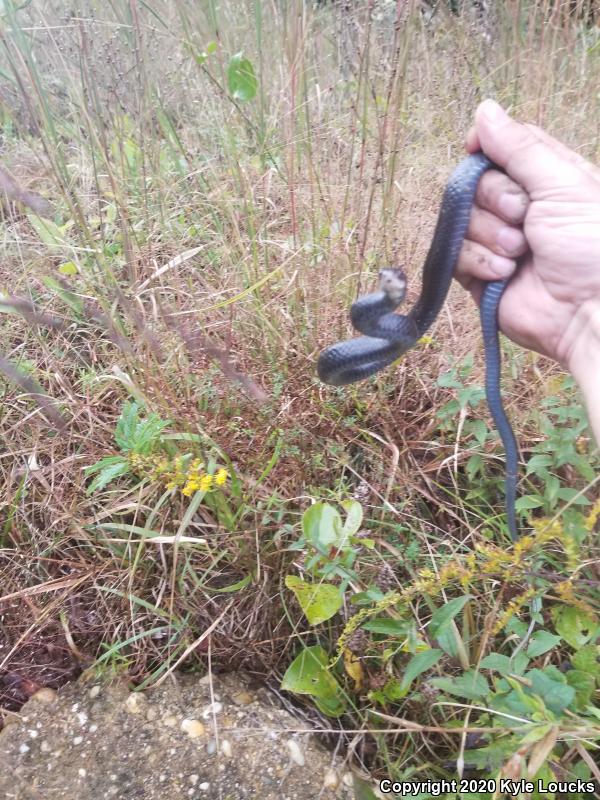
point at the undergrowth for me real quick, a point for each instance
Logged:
(198, 193)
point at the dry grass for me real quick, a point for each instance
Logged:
(217, 247)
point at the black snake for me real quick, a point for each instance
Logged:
(388, 335)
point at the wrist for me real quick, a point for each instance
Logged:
(583, 359)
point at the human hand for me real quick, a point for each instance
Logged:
(545, 211)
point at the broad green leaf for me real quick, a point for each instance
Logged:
(541, 642)
(321, 525)
(573, 496)
(575, 627)
(418, 664)
(528, 501)
(331, 706)
(504, 664)
(556, 694)
(543, 777)
(586, 659)
(354, 517)
(308, 674)
(442, 616)
(538, 462)
(583, 683)
(471, 685)
(319, 601)
(241, 79)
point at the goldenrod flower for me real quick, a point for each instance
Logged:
(221, 477)
(206, 482)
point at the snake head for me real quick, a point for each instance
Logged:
(392, 281)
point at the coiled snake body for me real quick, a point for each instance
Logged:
(389, 335)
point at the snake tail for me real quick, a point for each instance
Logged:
(488, 310)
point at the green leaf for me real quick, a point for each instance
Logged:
(556, 694)
(528, 501)
(241, 79)
(49, 232)
(575, 627)
(331, 706)
(541, 642)
(442, 616)
(573, 496)
(107, 475)
(354, 517)
(107, 461)
(474, 466)
(418, 664)
(126, 425)
(319, 601)
(479, 429)
(471, 685)
(586, 659)
(308, 674)
(583, 683)
(322, 525)
(69, 298)
(68, 268)
(233, 587)
(543, 777)
(389, 627)
(504, 664)
(537, 463)
(362, 790)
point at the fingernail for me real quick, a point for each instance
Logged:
(512, 205)
(492, 111)
(502, 267)
(510, 240)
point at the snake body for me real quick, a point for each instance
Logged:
(388, 335)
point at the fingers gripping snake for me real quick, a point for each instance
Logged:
(388, 335)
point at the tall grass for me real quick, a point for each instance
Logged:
(203, 250)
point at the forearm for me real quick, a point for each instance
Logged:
(584, 362)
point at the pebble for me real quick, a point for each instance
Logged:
(44, 695)
(170, 720)
(193, 727)
(94, 691)
(135, 703)
(211, 747)
(213, 708)
(296, 753)
(242, 698)
(331, 780)
(226, 748)
(348, 779)
(205, 786)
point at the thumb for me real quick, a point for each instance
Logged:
(525, 157)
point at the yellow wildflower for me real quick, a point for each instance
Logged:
(206, 482)
(221, 477)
